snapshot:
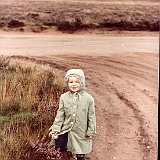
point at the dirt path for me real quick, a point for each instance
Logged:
(94, 44)
(121, 73)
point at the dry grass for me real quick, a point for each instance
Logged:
(28, 104)
(76, 15)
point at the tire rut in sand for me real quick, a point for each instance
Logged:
(115, 83)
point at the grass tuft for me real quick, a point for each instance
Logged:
(28, 105)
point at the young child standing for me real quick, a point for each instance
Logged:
(75, 122)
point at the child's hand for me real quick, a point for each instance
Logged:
(53, 132)
(89, 137)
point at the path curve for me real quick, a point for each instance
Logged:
(121, 73)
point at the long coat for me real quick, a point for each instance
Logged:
(76, 115)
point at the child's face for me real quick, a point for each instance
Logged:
(73, 84)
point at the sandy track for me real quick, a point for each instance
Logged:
(121, 76)
(35, 44)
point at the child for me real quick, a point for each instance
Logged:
(75, 122)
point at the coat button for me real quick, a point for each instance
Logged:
(75, 106)
(73, 115)
(71, 122)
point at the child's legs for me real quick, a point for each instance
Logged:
(61, 142)
(80, 157)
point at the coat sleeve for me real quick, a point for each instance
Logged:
(91, 131)
(59, 119)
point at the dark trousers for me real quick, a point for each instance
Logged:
(80, 157)
(61, 142)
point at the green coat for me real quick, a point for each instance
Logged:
(77, 117)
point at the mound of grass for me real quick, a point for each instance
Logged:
(28, 105)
